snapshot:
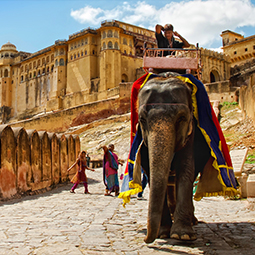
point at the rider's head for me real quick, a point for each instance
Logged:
(168, 29)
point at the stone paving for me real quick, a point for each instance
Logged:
(58, 222)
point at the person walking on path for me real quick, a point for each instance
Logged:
(80, 176)
(110, 170)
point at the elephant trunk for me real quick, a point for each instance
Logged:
(161, 143)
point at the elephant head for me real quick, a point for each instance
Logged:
(166, 120)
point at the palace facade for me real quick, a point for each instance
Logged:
(86, 68)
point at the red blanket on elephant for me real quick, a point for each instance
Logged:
(218, 176)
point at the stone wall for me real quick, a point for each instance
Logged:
(222, 91)
(60, 121)
(247, 97)
(32, 160)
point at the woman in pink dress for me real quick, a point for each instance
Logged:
(110, 171)
(80, 176)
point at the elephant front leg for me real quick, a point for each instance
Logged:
(184, 212)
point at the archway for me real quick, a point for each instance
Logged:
(214, 76)
(124, 78)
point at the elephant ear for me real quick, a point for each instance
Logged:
(190, 127)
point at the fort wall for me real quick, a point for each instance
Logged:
(32, 160)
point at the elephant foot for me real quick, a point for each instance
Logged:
(194, 220)
(183, 232)
(164, 232)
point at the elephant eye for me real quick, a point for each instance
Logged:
(181, 119)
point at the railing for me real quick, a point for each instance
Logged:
(172, 59)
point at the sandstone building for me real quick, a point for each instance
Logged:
(88, 67)
(237, 47)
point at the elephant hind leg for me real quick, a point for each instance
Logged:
(166, 221)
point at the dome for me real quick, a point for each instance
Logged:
(9, 46)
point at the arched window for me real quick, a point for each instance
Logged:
(78, 55)
(47, 59)
(71, 57)
(104, 46)
(85, 52)
(30, 66)
(56, 62)
(74, 56)
(61, 52)
(110, 45)
(26, 68)
(109, 33)
(48, 69)
(34, 74)
(125, 41)
(52, 67)
(116, 35)
(93, 52)
(116, 45)
(82, 41)
(82, 53)
(21, 78)
(34, 64)
(61, 62)
(104, 34)
(43, 71)
(52, 58)
(43, 61)
(5, 73)
(6, 55)
(38, 62)
(39, 73)
(125, 52)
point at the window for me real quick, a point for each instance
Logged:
(39, 73)
(104, 46)
(116, 45)
(38, 62)
(125, 41)
(52, 58)
(48, 59)
(104, 34)
(21, 78)
(61, 51)
(61, 62)
(234, 52)
(86, 40)
(34, 74)
(85, 52)
(109, 33)
(245, 49)
(34, 64)
(52, 67)
(110, 45)
(71, 57)
(5, 73)
(74, 56)
(82, 53)
(56, 62)
(130, 43)
(43, 61)
(116, 34)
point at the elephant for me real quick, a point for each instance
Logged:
(176, 151)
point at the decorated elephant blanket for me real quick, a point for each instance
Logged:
(218, 176)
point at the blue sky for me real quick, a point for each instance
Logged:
(35, 24)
